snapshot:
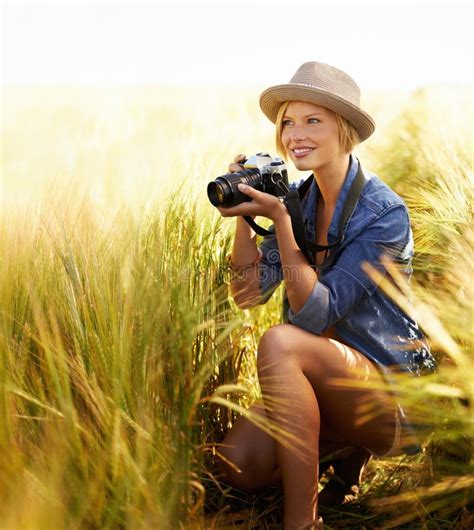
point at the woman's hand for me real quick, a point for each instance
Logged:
(262, 203)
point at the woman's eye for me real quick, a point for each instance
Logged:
(310, 120)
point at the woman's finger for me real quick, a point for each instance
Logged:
(234, 167)
(257, 195)
(223, 211)
(246, 208)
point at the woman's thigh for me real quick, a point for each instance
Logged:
(354, 402)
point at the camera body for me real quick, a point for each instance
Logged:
(261, 171)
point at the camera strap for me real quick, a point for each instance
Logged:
(293, 200)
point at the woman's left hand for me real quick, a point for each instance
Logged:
(262, 204)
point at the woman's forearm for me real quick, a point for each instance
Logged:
(299, 277)
(245, 283)
(244, 250)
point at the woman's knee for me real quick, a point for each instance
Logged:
(274, 348)
(286, 345)
(234, 467)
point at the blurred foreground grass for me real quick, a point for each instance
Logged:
(117, 334)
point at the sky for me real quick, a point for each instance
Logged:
(402, 45)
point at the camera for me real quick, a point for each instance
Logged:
(261, 171)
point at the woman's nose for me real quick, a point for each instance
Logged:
(298, 133)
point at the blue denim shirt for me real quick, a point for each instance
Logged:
(345, 297)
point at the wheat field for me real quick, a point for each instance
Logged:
(123, 361)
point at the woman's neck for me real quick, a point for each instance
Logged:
(330, 179)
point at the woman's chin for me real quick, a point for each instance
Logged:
(304, 165)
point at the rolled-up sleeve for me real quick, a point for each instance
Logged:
(346, 283)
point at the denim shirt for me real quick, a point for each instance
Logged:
(345, 297)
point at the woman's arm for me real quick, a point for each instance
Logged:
(244, 250)
(245, 282)
(343, 287)
(300, 278)
(244, 285)
(257, 275)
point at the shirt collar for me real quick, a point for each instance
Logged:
(333, 231)
(341, 199)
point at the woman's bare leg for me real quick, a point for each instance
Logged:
(291, 402)
(285, 350)
(296, 373)
(252, 454)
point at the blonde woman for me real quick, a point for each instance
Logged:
(338, 325)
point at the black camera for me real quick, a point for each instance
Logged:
(260, 171)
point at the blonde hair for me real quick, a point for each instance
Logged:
(348, 136)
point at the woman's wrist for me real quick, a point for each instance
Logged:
(249, 265)
(281, 215)
(244, 228)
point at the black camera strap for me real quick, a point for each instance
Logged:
(293, 200)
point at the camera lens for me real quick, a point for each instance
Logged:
(224, 190)
(216, 191)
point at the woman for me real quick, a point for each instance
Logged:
(339, 326)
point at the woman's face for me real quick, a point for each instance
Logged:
(310, 135)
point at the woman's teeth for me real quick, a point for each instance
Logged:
(302, 152)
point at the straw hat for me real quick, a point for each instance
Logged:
(322, 85)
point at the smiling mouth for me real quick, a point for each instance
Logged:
(303, 151)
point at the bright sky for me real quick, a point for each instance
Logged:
(382, 45)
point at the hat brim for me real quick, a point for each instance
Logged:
(272, 98)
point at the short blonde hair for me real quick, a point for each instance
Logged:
(348, 136)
